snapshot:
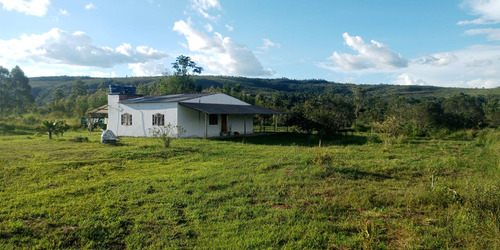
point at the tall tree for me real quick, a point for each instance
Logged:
(181, 81)
(463, 111)
(492, 113)
(15, 91)
(4, 90)
(57, 95)
(78, 89)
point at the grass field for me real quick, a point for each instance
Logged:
(259, 192)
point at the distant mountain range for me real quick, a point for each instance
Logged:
(43, 87)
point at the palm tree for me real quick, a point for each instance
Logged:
(56, 128)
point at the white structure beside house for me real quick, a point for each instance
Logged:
(199, 115)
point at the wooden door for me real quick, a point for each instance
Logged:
(223, 124)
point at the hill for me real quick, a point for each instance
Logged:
(43, 87)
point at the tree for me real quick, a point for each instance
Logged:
(492, 113)
(57, 95)
(359, 95)
(326, 114)
(181, 81)
(4, 90)
(56, 128)
(15, 91)
(463, 112)
(78, 89)
(425, 116)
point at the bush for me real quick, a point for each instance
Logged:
(167, 133)
(373, 138)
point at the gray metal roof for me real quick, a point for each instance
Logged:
(100, 110)
(229, 109)
(163, 98)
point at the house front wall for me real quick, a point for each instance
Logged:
(193, 122)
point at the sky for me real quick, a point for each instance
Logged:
(449, 43)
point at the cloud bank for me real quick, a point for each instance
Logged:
(375, 55)
(220, 54)
(28, 7)
(487, 10)
(60, 47)
(474, 66)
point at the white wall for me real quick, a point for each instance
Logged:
(236, 123)
(194, 123)
(142, 116)
(113, 113)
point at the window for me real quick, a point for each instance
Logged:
(158, 119)
(126, 119)
(213, 120)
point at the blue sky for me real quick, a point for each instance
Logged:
(452, 43)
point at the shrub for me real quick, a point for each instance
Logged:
(373, 138)
(56, 128)
(167, 133)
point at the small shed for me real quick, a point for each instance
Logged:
(98, 116)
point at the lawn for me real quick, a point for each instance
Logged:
(258, 192)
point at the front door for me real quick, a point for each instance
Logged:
(223, 124)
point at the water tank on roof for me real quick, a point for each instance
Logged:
(121, 90)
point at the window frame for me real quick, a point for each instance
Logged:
(158, 119)
(126, 119)
(213, 119)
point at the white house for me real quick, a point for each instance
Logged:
(199, 115)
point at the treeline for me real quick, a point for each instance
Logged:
(324, 107)
(341, 107)
(15, 92)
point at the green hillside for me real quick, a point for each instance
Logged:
(43, 87)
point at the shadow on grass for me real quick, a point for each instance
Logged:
(10, 129)
(356, 174)
(299, 139)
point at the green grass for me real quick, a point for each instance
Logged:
(270, 191)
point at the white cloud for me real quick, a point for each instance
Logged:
(28, 7)
(209, 27)
(229, 27)
(203, 6)
(487, 10)
(151, 68)
(63, 12)
(220, 54)
(475, 66)
(125, 49)
(492, 34)
(269, 44)
(349, 80)
(102, 74)
(370, 56)
(63, 48)
(407, 79)
(439, 59)
(90, 6)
